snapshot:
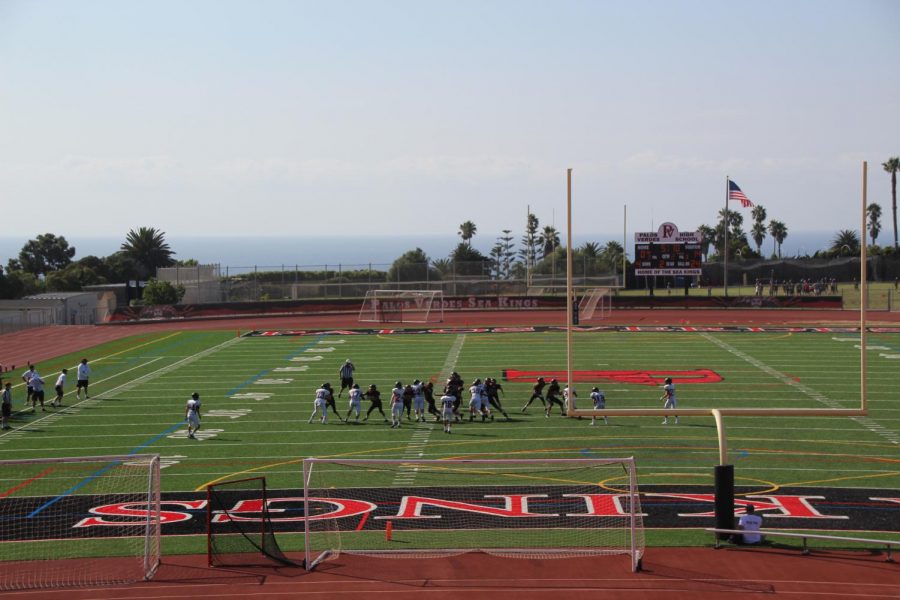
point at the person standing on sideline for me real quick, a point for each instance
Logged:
(669, 397)
(355, 399)
(750, 522)
(599, 400)
(321, 403)
(59, 387)
(374, 397)
(26, 377)
(6, 406)
(447, 402)
(84, 373)
(192, 414)
(346, 375)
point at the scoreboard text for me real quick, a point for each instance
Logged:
(654, 258)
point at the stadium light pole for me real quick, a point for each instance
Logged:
(863, 292)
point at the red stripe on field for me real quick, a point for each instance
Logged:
(362, 522)
(15, 489)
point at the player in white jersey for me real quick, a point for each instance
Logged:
(477, 401)
(396, 405)
(192, 414)
(418, 402)
(26, 377)
(355, 399)
(59, 387)
(669, 397)
(447, 402)
(37, 391)
(321, 403)
(84, 373)
(599, 400)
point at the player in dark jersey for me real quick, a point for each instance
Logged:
(408, 393)
(537, 393)
(428, 390)
(454, 388)
(374, 397)
(553, 392)
(493, 390)
(329, 401)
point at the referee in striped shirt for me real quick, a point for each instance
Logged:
(346, 374)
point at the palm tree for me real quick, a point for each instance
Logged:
(892, 166)
(590, 249)
(779, 232)
(758, 232)
(549, 240)
(467, 232)
(707, 239)
(612, 254)
(846, 239)
(874, 213)
(148, 248)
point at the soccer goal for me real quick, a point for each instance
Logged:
(595, 303)
(239, 526)
(59, 515)
(402, 306)
(540, 509)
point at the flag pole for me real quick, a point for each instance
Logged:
(725, 246)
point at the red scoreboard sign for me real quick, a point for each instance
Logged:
(667, 251)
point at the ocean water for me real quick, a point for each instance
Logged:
(347, 250)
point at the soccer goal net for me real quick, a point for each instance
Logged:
(402, 306)
(595, 303)
(553, 508)
(60, 516)
(239, 525)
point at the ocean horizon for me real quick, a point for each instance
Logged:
(345, 250)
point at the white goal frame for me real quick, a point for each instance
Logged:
(402, 306)
(623, 487)
(48, 518)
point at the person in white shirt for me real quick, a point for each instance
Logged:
(321, 403)
(418, 401)
(750, 523)
(669, 397)
(37, 391)
(84, 373)
(192, 414)
(477, 404)
(447, 402)
(26, 377)
(599, 400)
(59, 387)
(355, 401)
(396, 405)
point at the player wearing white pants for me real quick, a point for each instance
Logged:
(192, 414)
(396, 405)
(321, 403)
(670, 400)
(477, 401)
(418, 401)
(599, 400)
(355, 400)
(447, 402)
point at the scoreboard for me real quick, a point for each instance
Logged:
(667, 251)
(653, 258)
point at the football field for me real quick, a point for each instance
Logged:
(257, 396)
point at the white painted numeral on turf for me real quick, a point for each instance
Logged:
(329, 349)
(290, 369)
(231, 414)
(272, 381)
(306, 358)
(202, 434)
(883, 355)
(164, 461)
(257, 396)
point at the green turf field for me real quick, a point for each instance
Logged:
(257, 395)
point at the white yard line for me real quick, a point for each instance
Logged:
(415, 450)
(866, 422)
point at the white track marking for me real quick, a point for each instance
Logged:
(415, 450)
(866, 422)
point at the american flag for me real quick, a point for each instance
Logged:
(735, 193)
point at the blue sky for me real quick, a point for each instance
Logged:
(329, 118)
